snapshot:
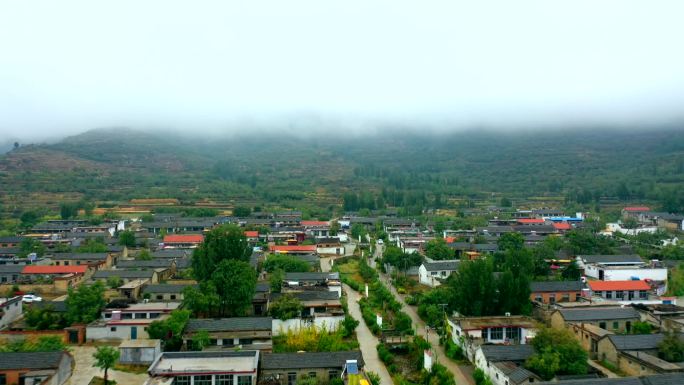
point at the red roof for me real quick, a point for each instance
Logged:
(450, 239)
(314, 223)
(527, 221)
(44, 269)
(637, 208)
(285, 249)
(618, 285)
(562, 226)
(251, 234)
(190, 238)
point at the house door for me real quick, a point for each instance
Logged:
(134, 333)
(601, 275)
(73, 336)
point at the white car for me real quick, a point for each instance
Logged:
(28, 298)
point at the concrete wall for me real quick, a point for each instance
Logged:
(122, 332)
(632, 367)
(279, 376)
(139, 355)
(12, 309)
(546, 296)
(656, 274)
(330, 323)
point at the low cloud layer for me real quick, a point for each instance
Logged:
(217, 66)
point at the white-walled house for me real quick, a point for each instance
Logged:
(430, 273)
(503, 364)
(471, 332)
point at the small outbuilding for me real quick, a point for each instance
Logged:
(139, 352)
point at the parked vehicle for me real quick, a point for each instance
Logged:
(28, 298)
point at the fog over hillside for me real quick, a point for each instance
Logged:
(311, 67)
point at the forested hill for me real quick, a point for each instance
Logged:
(399, 170)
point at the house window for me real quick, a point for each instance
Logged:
(202, 380)
(538, 298)
(643, 294)
(332, 374)
(112, 329)
(3, 379)
(181, 380)
(566, 297)
(291, 378)
(619, 294)
(513, 334)
(599, 293)
(552, 298)
(224, 379)
(173, 296)
(312, 374)
(159, 296)
(246, 341)
(616, 325)
(244, 380)
(602, 325)
(496, 333)
(609, 295)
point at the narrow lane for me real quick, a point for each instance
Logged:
(366, 339)
(462, 373)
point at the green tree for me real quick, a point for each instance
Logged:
(437, 249)
(285, 307)
(671, 348)
(474, 288)
(44, 318)
(200, 340)
(170, 330)
(641, 328)
(286, 263)
(358, 230)
(29, 219)
(556, 352)
(201, 301)
(114, 281)
(127, 238)
(334, 228)
(68, 210)
(30, 245)
(235, 283)
(227, 242)
(349, 324)
(241, 211)
(144, 255)
(93, 245)
(105, 358)
(85, 303)
(276, 281)
(572, 272)
(511, 241)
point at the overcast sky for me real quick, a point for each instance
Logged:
(69, 66)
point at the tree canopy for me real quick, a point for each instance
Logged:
(556, 352)
(227, 242)
(85, 303)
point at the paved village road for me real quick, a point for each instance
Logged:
(84, 371)
(367, 340)
(462, 373)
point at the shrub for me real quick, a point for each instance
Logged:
(384, 354)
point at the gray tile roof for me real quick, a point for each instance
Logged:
(451, 265)
(165, 288)
(607, 381)
(596, 314)
(515, 373)
(497, 353)
(664, 379)
(311, 295)
(11, 269)
(270, 361)
(311, 276)
(553, 286)
(152, 263)
(81, 256)
(34, 360)
(636, 341)
(229, 324)
(630, 258)
(121, 273)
